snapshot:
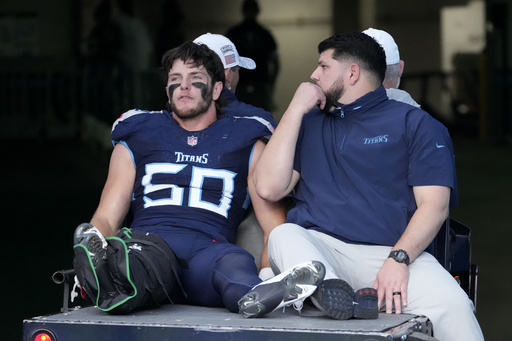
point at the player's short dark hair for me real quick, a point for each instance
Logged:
(200, 55)
(359, 48)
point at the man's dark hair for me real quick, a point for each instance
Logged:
(359, 48)
(198, 55)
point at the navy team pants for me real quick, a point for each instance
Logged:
(218, 274)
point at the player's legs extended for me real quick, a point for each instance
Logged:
(219, 275)
(233, 276)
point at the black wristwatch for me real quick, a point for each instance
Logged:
(400, 256)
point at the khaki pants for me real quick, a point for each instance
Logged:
(432, 291)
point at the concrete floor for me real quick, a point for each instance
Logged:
(49, 187)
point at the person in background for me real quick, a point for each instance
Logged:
(228, 54)
(395, 66)
(256, 42)
(103, 51)
(135, 53)
(166, 38)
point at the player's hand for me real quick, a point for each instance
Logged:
(307, 96)
(391, 284)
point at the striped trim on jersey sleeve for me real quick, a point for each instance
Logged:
(131, 113)
(261, 120)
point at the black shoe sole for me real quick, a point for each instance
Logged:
(337, 299)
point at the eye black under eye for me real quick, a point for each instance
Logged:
(199, 85)
(172, 87)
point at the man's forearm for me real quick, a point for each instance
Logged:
(426, 221)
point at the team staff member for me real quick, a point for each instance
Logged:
(372, 179)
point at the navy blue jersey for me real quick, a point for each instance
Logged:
(192, 180)
(358, 167)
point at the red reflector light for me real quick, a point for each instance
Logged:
(43, 335)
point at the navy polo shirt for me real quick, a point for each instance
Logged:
(358, 166)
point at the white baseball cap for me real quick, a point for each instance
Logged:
(226, 50)
(388, 44)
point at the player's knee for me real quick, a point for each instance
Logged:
(282, 232)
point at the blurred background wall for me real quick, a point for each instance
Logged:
(456, 53)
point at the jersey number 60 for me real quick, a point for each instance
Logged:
(196, 184)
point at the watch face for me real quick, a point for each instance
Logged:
(400, 256)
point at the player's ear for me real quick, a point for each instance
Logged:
(217, 89)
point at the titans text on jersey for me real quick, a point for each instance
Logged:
(181, 157)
